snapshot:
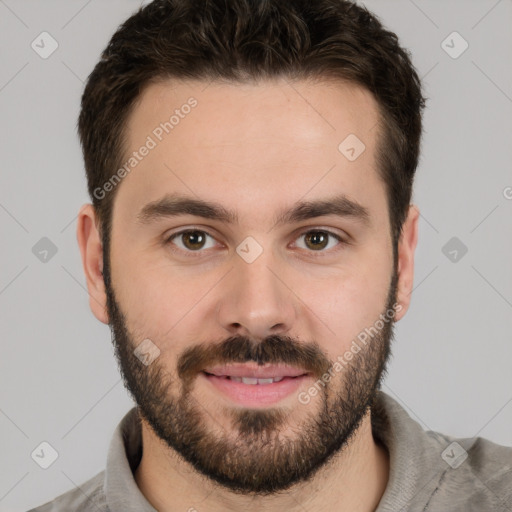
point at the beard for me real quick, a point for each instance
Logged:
(262, 452)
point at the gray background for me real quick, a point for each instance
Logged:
(59, 380)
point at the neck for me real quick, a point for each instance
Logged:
(354, 479)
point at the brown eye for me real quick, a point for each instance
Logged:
(190, 240)
(319, 240)
(193, 240)
(316, 240)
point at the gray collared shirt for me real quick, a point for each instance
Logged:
(429, 471)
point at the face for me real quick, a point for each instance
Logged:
(253, 257)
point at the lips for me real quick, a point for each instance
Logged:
(254, 374)
(249, 380)
(255, 386)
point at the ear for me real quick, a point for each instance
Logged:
(406, 248)
(91, 249)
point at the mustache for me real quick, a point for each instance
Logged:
(240, 349)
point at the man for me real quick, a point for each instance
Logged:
(251, 244)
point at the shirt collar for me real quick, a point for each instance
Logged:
(415, 459)
(124, 455)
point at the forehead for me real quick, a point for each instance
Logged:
(279, 139)
(320, 111)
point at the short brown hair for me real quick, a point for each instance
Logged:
(247, 40)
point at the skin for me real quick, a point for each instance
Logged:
(284, 148)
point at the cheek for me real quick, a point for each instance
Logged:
(344, 307)
(162, 302)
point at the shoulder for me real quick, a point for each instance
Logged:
(433, 471)
(89, 496)
(478, 474)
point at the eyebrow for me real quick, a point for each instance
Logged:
(173, 205)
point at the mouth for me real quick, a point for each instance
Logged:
(252, 385)
(252, 380)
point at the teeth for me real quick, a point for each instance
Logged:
(254, 380)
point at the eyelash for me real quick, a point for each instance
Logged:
(318, 254)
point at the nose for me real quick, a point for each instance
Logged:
(255, 300)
